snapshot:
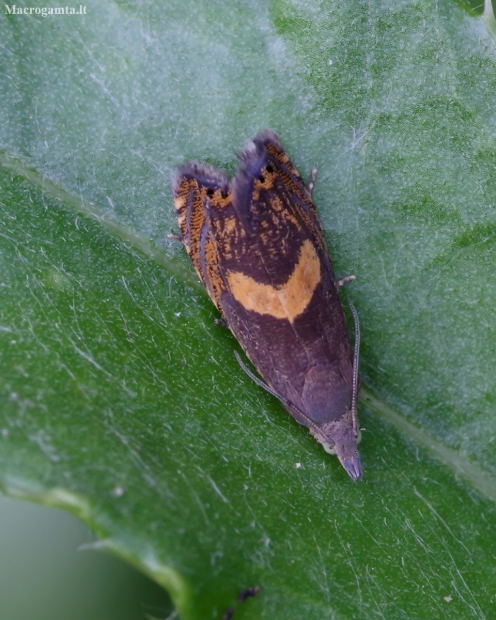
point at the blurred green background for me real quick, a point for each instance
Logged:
(44, 574)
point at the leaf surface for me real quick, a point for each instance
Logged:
(121, 399)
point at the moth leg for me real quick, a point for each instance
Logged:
(295, 412)
(340, 283)
(311, 183)
(263, 385)
(220, 322)
(175, 237)
(258, 381)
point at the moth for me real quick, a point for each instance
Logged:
(257, 245)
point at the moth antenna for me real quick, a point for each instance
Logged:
(356, 357)
(268, 389)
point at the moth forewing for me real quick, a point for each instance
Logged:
(258, 247)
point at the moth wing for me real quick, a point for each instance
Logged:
(281, 299)
(270, 194)
(198, 189)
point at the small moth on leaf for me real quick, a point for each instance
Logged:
(258, 247)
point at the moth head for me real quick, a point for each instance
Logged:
(341, 438)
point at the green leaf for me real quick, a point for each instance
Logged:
(121, 399)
